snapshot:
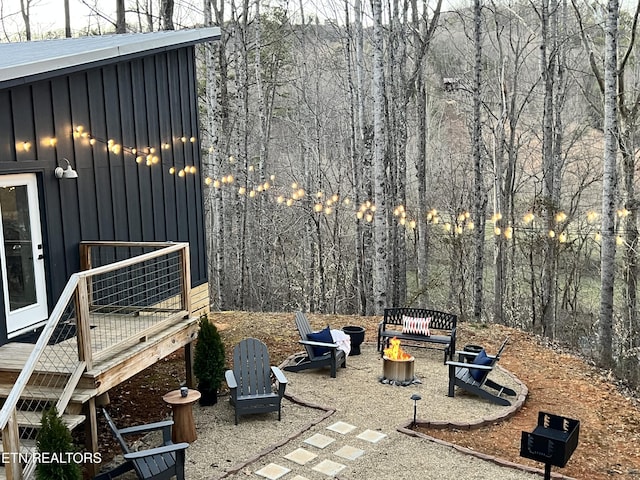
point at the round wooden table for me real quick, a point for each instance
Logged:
(184, 427)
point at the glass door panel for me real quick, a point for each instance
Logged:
(23, 276)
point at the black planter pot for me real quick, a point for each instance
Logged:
(208, 398)
(357, 337)
(473, 348)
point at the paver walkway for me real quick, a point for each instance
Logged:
(328, 453)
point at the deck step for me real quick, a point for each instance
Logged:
(80, 395)
(33, 419)
(26, 446)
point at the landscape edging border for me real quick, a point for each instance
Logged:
(504, 415)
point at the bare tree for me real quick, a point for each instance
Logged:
(121, 23)
(380, 269)
(166, 15)
(67, 20)
(609, 185)
(25, 10)
(480, 198)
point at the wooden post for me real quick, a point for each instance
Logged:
(82, 323)
(186, 280)
(11, 445)
(85, 257)
(188, 365)
(91, 437)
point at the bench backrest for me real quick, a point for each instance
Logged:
(439, 320)
(116, 432)
(304, 329)
(252, 368)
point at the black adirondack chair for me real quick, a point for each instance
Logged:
(331, 357)
(160, 463)
(474, 378)
(250, 381)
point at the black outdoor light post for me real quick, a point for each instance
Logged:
(415, 397)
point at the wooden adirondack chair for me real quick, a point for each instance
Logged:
(160, 463)
(249, 382)
(474, 378)
(331, 357)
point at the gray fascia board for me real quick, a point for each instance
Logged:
(166, 40)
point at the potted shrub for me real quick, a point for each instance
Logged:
(208, 361)
(55, 439)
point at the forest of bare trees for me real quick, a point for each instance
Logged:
(479, 159)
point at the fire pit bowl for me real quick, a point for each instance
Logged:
(398, 371)
(397, 365)
(357, 337)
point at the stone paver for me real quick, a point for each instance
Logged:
(319, 441)
(349, 452)
(329, 467)
(300, 456)
(342, 428)
(371, 436)
(273, 471)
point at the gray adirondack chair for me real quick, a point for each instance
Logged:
(460, 375)
(332, 357)
(250, 380)
(160, 463)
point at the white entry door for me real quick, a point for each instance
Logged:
(23, 277)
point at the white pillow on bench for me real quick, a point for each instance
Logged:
(413, 325)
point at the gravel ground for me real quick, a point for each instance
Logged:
(224, 450)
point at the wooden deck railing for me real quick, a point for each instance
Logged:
(111, 306)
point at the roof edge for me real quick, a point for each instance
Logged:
(147, 42)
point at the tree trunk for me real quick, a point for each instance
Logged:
(380, 270)
(480, 200)
(609, 181)
(166, 15)
(67, 19)
(121, 24)
(26, 17)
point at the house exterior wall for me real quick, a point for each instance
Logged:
(140, 103)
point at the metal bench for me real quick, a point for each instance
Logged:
(441, 324)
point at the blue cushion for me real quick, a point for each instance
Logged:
(481, 359)
(323, 336)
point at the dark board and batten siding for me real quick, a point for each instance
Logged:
(141, 102)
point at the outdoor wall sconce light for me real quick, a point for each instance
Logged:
(65, 172)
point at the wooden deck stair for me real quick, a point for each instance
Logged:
(40, 394)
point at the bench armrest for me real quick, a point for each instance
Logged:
(469, 365)
(230, 379)
(278, 374)
(150, 427)
(318, 344)
(174, 447)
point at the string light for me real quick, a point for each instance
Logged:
(366, 211)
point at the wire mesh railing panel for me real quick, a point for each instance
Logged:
(134, 298)
(53, 369)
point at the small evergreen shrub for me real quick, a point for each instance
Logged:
(55, 442)
(208, 362)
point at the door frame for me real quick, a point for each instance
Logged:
(34, 315)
